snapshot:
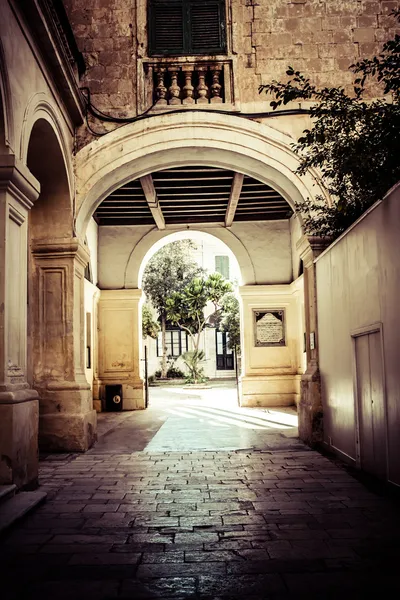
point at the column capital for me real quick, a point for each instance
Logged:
(134, 294)
(311, 246)
(61, 248)
(16, 179)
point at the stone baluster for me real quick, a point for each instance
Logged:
(174, 89)
(161, 90)
(188, 88)
(202, 88)
(216, 87)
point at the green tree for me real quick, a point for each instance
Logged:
(169, 270)
(354, 143)
(230, 320)
(150, 327)
(186, 309)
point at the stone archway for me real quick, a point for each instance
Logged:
(56, 278)
(173, 140)
(224, 141)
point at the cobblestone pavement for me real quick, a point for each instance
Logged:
(205, 524)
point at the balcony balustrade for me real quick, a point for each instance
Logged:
(189, 84)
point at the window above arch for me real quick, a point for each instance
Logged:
(186, 27)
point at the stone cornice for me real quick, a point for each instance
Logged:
(17, 180)
(122, 295)
(61, 248)
(311, 246)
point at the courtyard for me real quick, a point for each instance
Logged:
(198, 498)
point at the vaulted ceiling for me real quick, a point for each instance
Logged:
(192, 195)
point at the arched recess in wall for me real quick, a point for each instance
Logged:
(52, 214)
(40, 108)
(50, 219)
(172, 140)
(6, 113)
(155, 240)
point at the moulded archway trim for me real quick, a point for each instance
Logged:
(154, 240)
(41, 107)
(188, 139)
(5, 92)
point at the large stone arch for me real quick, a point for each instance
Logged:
(167, 141)
(219, 140)
(141, 252)
(41, 108)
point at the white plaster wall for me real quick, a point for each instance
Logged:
(92, 293)
(116, 244)
(358, 285)
(92, 237)
(266, 244)
(295, 235)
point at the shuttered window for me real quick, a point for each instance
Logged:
(184, 27)
(222, 266)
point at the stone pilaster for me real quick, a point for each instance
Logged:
(67, 419)
(18, 402)
(269, 371)
(119, 346)
(310, 406)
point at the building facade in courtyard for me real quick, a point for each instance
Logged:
(123, 122)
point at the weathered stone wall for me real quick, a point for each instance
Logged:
(320, 37)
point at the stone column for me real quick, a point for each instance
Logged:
(19, 406)
(67, 419)
(120, 339)
(310, 406)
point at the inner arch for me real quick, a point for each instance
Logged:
(197, 236)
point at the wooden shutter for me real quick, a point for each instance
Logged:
(222, 266)
(166, 31)
(179, 27)
(207, 27)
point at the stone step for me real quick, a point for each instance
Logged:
(18, 506)
(7, 491)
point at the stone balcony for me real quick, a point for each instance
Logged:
(187, 83)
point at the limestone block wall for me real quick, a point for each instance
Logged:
(359, 342)
(320, 37)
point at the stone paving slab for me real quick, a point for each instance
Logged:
(203, 525)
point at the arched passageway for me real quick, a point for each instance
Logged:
(268, 249)
(55, 317)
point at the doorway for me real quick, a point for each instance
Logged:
(225, 358)
(371, 409)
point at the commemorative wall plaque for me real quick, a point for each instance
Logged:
(269, 328)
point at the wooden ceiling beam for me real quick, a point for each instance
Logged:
(152, 200)
(236, 189)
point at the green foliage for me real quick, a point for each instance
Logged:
(175, 373)
(353, 143)
(150, 327)
(230, 320)
(192, 360)
(169, 270)
(172, 373)
(186, 309)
